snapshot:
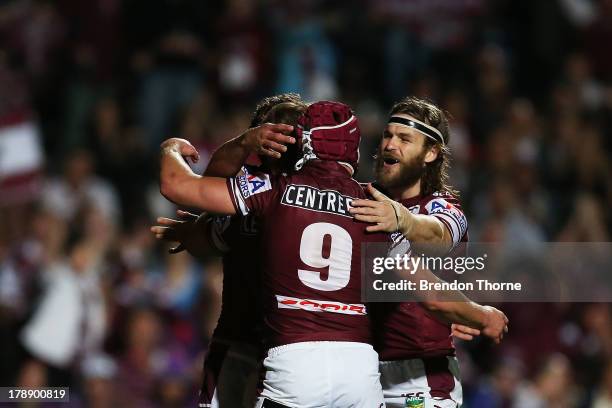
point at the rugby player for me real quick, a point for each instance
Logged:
(317, 330)
(231, 366)
(418, 363)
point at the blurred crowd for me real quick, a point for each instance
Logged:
(88, 90)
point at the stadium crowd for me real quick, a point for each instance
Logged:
(88, 90)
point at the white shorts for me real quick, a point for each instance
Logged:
(231, 373)
(434, 382)
(321, 374)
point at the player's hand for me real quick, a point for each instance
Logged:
(182, 146)
(462, 332)
(386, 213)
(268, 139)
(495, 324)
(176, 230)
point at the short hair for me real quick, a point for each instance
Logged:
(287, 113)
(266, 104)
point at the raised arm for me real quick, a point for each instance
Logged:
(179, 184)
(266, 140)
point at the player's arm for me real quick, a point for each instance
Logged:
(487, 320)
(454, 307)
(202, 236)
(179, 184)
(391, 216)
(266, 140)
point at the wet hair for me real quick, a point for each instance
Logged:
(266, 104)
(435, 176)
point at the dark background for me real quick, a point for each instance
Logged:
(88, 90)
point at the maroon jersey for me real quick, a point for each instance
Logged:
(407, 330)
(311, 252)
(241, 318)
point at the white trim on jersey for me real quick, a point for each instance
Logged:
(452, 225)
(238, 198)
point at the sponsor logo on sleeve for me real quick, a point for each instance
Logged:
(251, 184)
(441, 206)
(243, 185)
(258, 183)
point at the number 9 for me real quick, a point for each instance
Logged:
(338, 262)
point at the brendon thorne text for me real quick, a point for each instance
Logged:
(425, 285)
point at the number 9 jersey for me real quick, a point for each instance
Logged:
(311, 252)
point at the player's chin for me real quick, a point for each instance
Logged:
(387, 175)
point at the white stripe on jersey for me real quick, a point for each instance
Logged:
(453, 226)
(238, 198)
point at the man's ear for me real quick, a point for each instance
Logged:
(432, 154)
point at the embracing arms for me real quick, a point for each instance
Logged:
(389, 215)
(180, 185)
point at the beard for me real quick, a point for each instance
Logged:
(404, 176)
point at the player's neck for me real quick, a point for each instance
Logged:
(407, 192)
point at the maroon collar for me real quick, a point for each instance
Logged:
(326, 168)
(409, 202)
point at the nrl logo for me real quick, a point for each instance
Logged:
(415, 402)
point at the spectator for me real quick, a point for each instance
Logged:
(73, 292)
(79, 187)
(139, 365)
